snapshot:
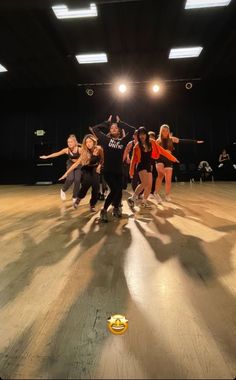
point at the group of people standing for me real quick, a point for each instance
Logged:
(102, 155)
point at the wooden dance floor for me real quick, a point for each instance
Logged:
(170, 270)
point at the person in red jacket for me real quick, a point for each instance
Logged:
(145, 151)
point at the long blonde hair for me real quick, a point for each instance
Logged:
(163, 126)
(85, 155)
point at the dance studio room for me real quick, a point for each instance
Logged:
(118, 189)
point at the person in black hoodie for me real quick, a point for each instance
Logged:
(113, 144)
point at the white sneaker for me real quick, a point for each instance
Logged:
(234, 165)
(168, 198)
(220, 166)
(152, 196)
(158, 198)
(63, 195)
(75, 202)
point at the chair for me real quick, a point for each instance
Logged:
(182, 173)
(193, 172)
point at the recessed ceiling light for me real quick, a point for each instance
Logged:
(156, 88)
(122, 88)
(191, 4)
(2, 69)
(189, 52)
(92, 58)
(62, 12)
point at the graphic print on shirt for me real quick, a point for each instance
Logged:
(116, 144)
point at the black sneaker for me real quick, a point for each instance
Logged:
(120, 205)
(103, 216)
(117, 212)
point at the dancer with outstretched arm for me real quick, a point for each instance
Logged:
(164, 165)
(113, 143)
(91, 160)
(73, 152)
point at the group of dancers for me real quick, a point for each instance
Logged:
(102, 155)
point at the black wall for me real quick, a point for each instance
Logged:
(206, 112)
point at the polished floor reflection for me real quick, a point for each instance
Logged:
(170, 270)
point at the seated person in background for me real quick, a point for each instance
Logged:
(224, 160)
(205, 170)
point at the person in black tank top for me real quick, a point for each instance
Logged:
(146, 161)
(91, 159)
(144, 168)
(73, 153)
(225, 161)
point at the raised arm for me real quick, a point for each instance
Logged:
(129, 129)
(175, 139)
(96, 130)
(56, 154)
(165, 153)
(188, 141)
(91, 130)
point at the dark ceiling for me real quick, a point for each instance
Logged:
(39, 50)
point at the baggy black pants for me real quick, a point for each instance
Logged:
(90, 178)
(73, 177)
(115, 183)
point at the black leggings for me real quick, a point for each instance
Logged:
(90, 179)
(73, 177)
(115, 183)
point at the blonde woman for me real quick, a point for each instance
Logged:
(73, 153)
(164, 165)
(91, 159)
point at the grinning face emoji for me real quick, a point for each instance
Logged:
(117, 324)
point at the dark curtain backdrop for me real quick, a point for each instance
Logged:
(207, 112)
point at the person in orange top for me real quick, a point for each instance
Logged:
(144, 152)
